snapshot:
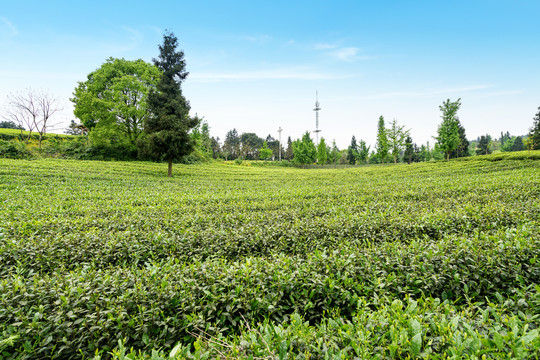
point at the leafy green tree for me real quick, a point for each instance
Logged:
(273, 144)
(216, 147)
(534, 133)
(206, 141)
(504, 138)
(518, 144)
(250, 145)
(322, 155)
(508, 143)
(437, 153)
(484, 145)
(463, 147)
(167, 128)
(396, 136)
(304, 150)
(334, 153)
(382, 140)
(352, 151)
(231, 146)
(425, 152)
(363, 152)
(343, 157)
(115, 97)
(448, 131)
(265, 152)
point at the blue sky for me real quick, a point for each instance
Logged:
(255, 65)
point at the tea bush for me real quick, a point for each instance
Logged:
(113, 258)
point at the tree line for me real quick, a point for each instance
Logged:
(136, 110)
(394, 144)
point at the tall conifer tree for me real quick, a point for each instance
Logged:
(534, 133)
(168, 126)
(382, 140)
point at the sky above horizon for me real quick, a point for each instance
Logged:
(255, 66)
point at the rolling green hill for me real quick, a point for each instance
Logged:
(425, 260)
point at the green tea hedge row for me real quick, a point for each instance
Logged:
(134, 240)
(12, 134)
(422, 329)
(63, 214)
(160, 304)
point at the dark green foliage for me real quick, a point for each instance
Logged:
(14, 150)
(518, 144)
(534, 133)
(167, 128)
(251, 143)
(352, 151)
(484, 145)
(409, 149)
(76, 129)
(273, 144)
(166, 300)
(463, 146)
(10, 125)
(289, 151)
(231, 146)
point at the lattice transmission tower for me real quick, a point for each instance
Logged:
(317, 108)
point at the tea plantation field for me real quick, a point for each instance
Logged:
(114, 260)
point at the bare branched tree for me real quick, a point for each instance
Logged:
(48, 105)
(21, 109)
(32, 110)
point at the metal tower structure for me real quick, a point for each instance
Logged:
(279, 131)
(317, 108)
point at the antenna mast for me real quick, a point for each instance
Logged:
(317, 108)
(279, 131)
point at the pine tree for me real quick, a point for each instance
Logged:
(462, 149)
(363, 152)
(352, 151)
(534, 133)
(168, 125)
(231, 145)
(484, 145)
(334, 153)
(409, 149)
(382, 140)
(396, 139)
(289, 151)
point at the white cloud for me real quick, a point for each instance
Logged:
(9, 25)
(342, 53)
(325, 46)
(425, 93)
(260, 39)
(348, 54)
(278, 74)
